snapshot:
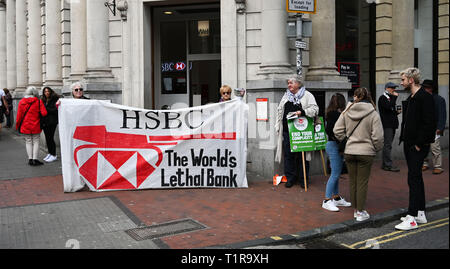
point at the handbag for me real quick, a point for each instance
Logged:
(23, 118)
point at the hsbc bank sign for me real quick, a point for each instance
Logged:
(113, 147)
(171, 66)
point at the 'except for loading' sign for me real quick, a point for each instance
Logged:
(301, 6)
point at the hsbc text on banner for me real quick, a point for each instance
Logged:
(305, 135)
(113, 147)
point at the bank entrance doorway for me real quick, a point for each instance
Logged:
(187, 55)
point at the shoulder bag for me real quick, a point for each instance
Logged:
(23, 118)
(343, 143)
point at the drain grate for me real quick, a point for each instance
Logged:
(114, 226)
(165, 229)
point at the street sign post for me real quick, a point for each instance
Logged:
(299, 7)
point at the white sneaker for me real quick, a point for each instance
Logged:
(342, 202)
(46, 157)
(409, 223)
(419, 219)
(362, 215)
(51, 159)
(329, 205)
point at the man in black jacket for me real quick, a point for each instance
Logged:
(441, 117)
(418, 131)
(388, 114)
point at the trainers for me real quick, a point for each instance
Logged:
(437, 171)
(424, 168)
(329, 205)
(408, 223)
(51, 159)
(419, 219)
(46, 157)
(341, 202)
(362, 215)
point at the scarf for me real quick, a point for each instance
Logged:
(386, 93)
(295, 98)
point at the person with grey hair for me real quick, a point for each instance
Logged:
(296, 99)
(28, 122)
(78, 90)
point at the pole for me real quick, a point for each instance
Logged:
(304, 170)
(299, 49)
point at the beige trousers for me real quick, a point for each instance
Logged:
(32, 145)
(435, 151)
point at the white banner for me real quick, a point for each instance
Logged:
(114, 147)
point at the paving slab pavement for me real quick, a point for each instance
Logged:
(261, 214)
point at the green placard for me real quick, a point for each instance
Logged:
(320, 136)
(305, 136)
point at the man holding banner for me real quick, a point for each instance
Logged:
(296, 102)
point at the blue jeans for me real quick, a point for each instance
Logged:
(336, 163)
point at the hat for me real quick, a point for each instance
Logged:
(390, 85)
(427, 83)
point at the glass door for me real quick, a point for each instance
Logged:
(204, 82)
(187, 56)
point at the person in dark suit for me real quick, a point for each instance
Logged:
(388, 114)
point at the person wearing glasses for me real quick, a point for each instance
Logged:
(77, 91)
(225, 93)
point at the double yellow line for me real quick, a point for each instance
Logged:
(397, 235)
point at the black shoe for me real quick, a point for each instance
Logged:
(289, 184)
(30, 162)
(390, 168)
(37, 162)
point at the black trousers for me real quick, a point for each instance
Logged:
(414, 160)
(293, 167)
(49, 131)
(389, 134)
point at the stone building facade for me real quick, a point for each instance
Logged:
(148, 54)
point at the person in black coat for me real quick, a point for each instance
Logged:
(418, 131)
(388, 115)
(49, 122)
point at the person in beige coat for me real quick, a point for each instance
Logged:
(296, 99)
(362, 145)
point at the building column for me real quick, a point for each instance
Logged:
(11, 78)
(274, 42)
(97, 40)
(2, 45)
(402, 37)
(34, 43)
(21, 45)
(78, 39)
(323, 44)
(53, 63)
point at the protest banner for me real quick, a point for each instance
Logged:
(307, 135)
(113, 147)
